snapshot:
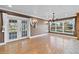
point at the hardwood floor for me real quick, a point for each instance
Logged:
(46, 44)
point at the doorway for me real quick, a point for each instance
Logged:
(16, 28)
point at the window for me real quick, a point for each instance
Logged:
(59, 26)
(69, 26)
(52, 26)
(64, 26)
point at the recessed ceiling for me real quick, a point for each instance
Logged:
(45, 11)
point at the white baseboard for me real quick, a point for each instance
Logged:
(38, 35)
(2, 43)
(17, 39)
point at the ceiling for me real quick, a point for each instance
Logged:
(45, 11)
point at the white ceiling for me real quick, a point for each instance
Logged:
(45, 11)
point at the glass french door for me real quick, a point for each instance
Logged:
(12, 29)
(17, 29)
(24, 28)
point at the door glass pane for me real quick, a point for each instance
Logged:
(59, 26)
(52, 26)
(24, 28)
(12, 29)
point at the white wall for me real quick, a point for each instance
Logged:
(41, 27)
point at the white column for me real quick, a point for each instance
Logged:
(29, 27)
(49, 26)
(55, 27)
(63, 26)
(73, 26)
(19, 28)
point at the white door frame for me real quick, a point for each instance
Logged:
(5, 26)
(6, 18)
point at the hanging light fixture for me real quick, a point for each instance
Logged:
(53, 17)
